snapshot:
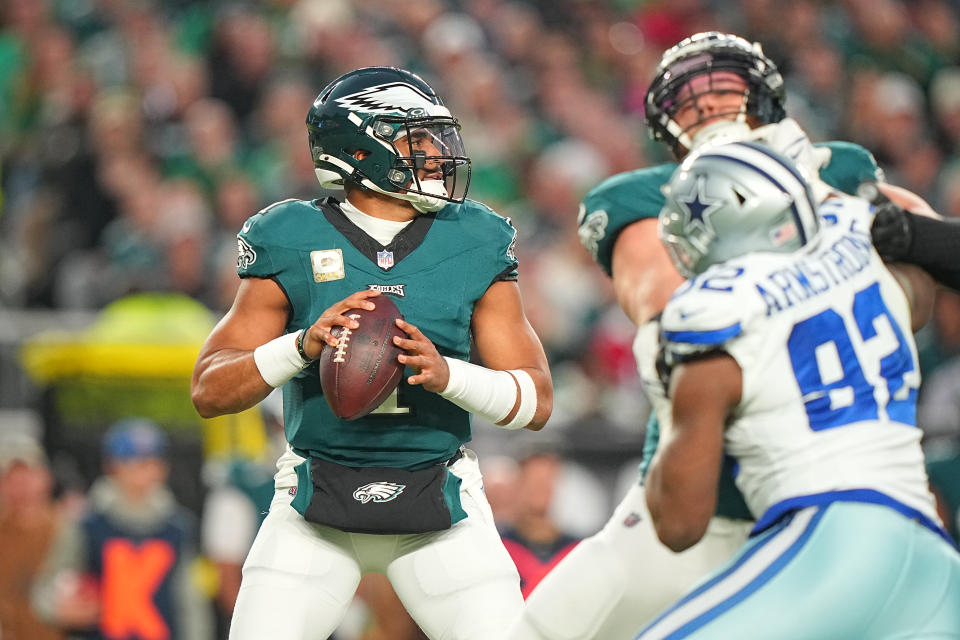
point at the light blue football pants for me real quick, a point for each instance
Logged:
(846, 571)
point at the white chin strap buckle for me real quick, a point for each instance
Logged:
(423, 203)
(720, 132)
(428, 203)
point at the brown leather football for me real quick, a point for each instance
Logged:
(362, 370)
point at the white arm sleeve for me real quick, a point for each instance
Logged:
(491, 394)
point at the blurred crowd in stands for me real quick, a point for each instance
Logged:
(136, 136)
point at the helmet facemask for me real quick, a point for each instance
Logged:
(430, 163)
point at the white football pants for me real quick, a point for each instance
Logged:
(458, 584)
(619, 579)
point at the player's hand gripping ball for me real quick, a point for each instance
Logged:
(362, 370)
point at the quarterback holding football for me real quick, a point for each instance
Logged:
(392, 489)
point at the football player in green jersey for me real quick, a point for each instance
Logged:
(395, 491)
(708, 88)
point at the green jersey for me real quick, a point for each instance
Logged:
(634, 195)
(435, 269)
(628, 197)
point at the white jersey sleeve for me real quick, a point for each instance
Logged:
(830, 372)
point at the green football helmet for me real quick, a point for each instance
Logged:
(727, 200)
(411, 145)
(705, 53)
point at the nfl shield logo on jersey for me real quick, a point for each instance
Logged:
(384, 259)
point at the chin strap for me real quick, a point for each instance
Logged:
(422, 202)
(721, 132)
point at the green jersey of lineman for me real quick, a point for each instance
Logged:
(435, 269)
(634, 195)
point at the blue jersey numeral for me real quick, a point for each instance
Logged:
(868, 307)
(722, 279)
(830, 373)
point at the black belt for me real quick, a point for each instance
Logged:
(453, 460)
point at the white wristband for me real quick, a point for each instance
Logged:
(278, 360)
(489, 393)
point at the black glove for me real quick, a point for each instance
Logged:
(892, 231)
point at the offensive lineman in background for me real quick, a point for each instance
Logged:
(709, 87)
(791, 349)
(395, 491)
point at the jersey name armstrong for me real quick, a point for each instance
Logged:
(815, 274)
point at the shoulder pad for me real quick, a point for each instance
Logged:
(488, 226)
(709, 311)
(479, 217)
(273, 215)
(617, 202)
(277, 225)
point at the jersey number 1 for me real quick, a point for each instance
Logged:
(391, 405)
(825, 362)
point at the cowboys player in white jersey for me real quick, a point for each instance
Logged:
(790, 350)
(709, 87)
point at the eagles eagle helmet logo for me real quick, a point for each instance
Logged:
(392, 97)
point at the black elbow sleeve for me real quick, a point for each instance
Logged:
(935, 246)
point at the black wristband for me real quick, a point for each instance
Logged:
(300, 351)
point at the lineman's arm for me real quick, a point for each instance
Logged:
(681, 487)
(908, 200)
(920, 290)
(912, 232)
(643, 276)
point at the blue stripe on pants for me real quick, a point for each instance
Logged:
(759, 563)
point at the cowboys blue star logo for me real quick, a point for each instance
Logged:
(699, 205)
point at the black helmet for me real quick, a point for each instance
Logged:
(388, 113)
(705, 53)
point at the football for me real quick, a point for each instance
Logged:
(362, 370)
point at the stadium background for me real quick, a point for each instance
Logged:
(137, 135)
